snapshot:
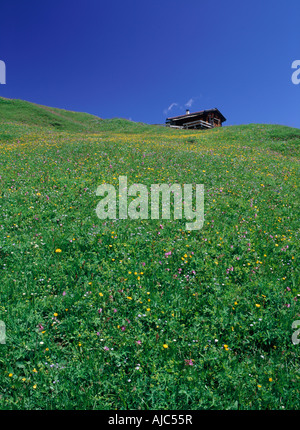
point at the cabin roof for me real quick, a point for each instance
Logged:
(193, 114)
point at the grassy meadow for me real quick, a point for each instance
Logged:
(144, 314)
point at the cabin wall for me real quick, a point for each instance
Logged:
(214, 118)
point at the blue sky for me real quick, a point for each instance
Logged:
(146, 60)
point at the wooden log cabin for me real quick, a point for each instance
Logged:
(203, 119)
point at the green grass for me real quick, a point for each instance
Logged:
(27, 113)
(110, 321)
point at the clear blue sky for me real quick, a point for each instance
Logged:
(146, 60)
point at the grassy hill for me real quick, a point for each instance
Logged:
(128, 314)
(61, 120)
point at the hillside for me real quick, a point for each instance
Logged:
(28, 113)
(109, 313)
(275, 137)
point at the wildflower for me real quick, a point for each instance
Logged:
(34, 386)
(10, 375)
(270, 379)
(257, 305)
(58, 250)
(55, 314)
(165, 346)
